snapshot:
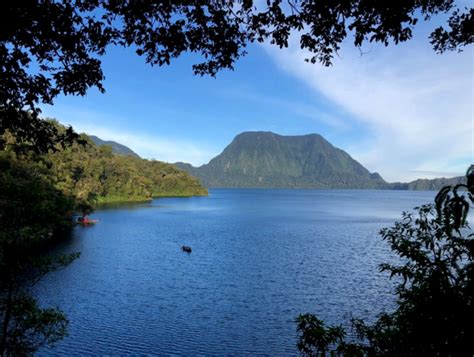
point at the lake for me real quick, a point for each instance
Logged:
(259, 258)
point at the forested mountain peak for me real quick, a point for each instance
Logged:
(265, 159)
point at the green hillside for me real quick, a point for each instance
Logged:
(92, 170)
(268, 160)
(95, 174)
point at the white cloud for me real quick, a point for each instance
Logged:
(146, 145)
(417, 106)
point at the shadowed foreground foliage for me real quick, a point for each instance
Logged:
(435, 292)
(32, 213)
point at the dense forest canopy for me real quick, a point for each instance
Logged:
(94, 173)
(49, 47)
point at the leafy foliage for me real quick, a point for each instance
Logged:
(33, 327)
(53, 47)
(435, 291)
(316, 339)
(459, 35)
(32, 213)
(91, 173)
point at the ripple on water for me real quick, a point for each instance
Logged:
(260, 257)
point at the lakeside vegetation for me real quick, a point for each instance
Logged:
(96, 175)
(33, 212)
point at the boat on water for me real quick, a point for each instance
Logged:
(84, 220)
(186, 249)
(89, 222)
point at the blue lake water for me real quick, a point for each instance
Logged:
(260, 258)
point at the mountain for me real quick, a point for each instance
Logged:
(268, 160)
(117, 148)
(428, 184)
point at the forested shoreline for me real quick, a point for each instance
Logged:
(94, 174)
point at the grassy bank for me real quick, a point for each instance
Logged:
(137, 199)
(121, 199)
(197, 193)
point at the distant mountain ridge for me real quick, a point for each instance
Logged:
(117, 148)
(268, 160)
(428, 184)
(246, 162)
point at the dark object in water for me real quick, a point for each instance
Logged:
(186, 249)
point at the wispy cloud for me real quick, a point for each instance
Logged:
(416, 105)
(148, 146)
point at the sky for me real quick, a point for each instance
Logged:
(402, 111)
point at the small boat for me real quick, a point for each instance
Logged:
(89, 221)
(85, 220)
(186, 249)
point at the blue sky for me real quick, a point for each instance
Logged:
(402, 111)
